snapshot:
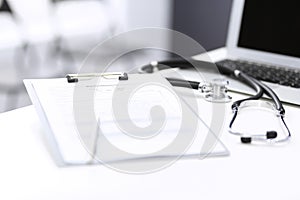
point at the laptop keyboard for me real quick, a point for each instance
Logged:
(268, 73)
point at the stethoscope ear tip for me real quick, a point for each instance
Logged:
(271, 134)
(246, 140)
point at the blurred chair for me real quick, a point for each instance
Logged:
(11, 57)
(9, 33)
(35, 19)
(59, 28)
(82, 24)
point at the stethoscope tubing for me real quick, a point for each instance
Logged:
(256, 85)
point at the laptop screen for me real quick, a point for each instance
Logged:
(271, 26)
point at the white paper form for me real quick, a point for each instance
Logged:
(56, 105)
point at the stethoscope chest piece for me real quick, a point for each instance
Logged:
(216, 91)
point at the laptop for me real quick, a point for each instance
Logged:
(264, 41)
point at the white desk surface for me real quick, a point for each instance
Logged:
(27, 170)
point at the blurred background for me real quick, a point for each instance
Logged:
(50, 38)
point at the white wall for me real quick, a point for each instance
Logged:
(148, 13)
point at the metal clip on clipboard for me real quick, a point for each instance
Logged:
(73, 78)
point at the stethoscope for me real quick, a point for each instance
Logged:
(217, 93)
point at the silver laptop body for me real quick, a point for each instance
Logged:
(267, 32)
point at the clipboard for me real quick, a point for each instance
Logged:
(52, 99)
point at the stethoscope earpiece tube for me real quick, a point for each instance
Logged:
(270, 93)
(260, 89)
(270, 135)
(251, 83)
